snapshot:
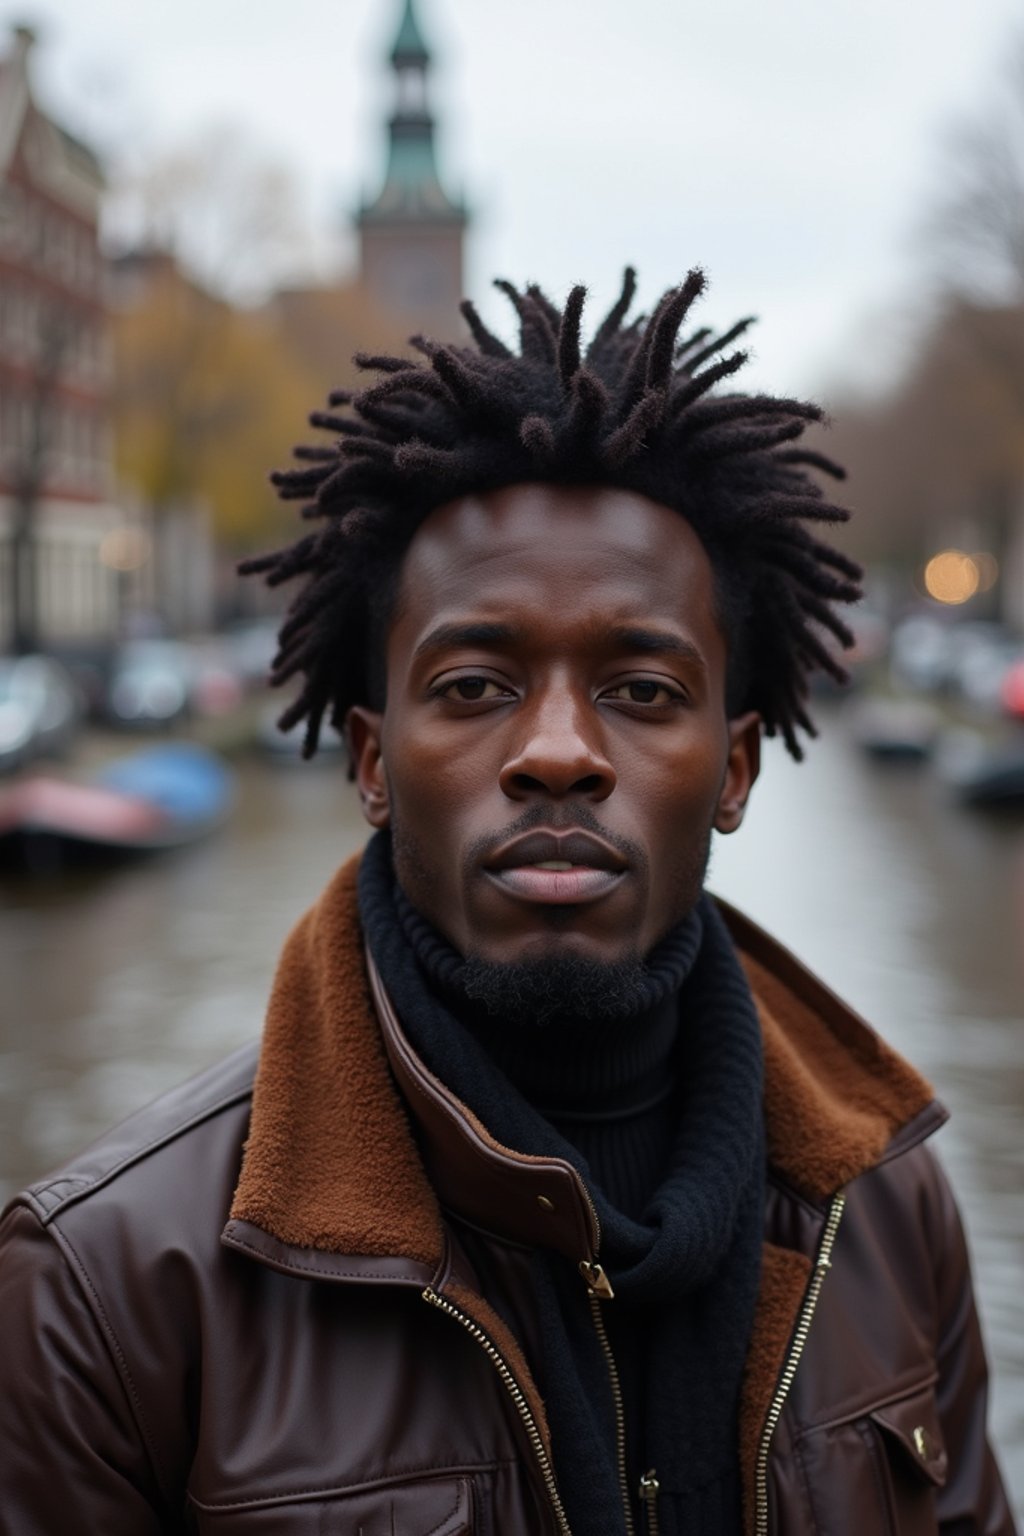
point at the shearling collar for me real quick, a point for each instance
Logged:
(332, 1165)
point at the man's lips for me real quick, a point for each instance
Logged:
(567, 887)
(556, 868)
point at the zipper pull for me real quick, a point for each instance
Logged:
(596, 1280)
(649, 1490)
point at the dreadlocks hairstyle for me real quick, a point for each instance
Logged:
(638, 409)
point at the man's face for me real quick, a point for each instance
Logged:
(554, 751)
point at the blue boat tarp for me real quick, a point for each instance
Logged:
(186, 782)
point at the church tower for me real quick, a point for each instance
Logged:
(411, 234)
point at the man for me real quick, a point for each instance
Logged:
(564, 1200)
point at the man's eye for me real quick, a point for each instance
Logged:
(642, 691)
(472, 689)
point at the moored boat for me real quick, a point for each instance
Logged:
(983, 774)
(896, 730)
(162, 797)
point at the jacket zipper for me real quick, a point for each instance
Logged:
(822, 1265)
(515, 1391)
(649, 1489)
(599, 1290)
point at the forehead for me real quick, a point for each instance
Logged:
(528, 547)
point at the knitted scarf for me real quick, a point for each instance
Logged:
(685, 1274)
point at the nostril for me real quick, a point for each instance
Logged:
(525, 781)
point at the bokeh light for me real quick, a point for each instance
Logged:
(951, 577)
(125, 549)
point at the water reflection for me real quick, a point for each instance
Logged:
(119, 986)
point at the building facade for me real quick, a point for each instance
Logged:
(56, 455)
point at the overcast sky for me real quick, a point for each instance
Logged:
(787, 147)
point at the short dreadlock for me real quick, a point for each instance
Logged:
(638, 409)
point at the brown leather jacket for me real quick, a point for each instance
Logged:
(326, 1361)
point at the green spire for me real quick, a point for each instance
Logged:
(412, 190)
(409, 49)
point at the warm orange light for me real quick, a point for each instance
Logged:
(125, 549)
(951, 577)
(988, 569)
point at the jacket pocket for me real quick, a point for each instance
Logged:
(437, 1506)
(877, 1471)
(915, 1459)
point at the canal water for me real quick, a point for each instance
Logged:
(117, 986)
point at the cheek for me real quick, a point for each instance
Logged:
(679, 812)
(432, 791)
(681, 785)
(426, 776)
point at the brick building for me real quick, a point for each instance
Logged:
(56, 468)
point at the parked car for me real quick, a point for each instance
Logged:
(40, 709)
(921, 652)
(149, 684)
(966, 660)
(983, 654)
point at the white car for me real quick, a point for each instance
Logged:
(40, 709)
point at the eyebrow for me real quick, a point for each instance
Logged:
(450, 636)
(656, 642)
(642, 641)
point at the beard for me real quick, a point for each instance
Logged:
(553, 989)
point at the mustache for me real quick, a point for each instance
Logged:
(563, 818)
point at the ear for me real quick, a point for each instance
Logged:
(363, 732)
(741, 770)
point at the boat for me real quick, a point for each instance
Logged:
(996, 783)
(896, 730)
(983, 774)
(158, 798)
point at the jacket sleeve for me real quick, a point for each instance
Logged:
(973, 1501)
(73, 1458)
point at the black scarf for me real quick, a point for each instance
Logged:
(685, 1275)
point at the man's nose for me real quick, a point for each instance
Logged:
(560, 751)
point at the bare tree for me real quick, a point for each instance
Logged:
(975, 234)
(976, 227)
(228, 215)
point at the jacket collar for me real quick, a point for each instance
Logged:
(838, 1100)
(333, 1181)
